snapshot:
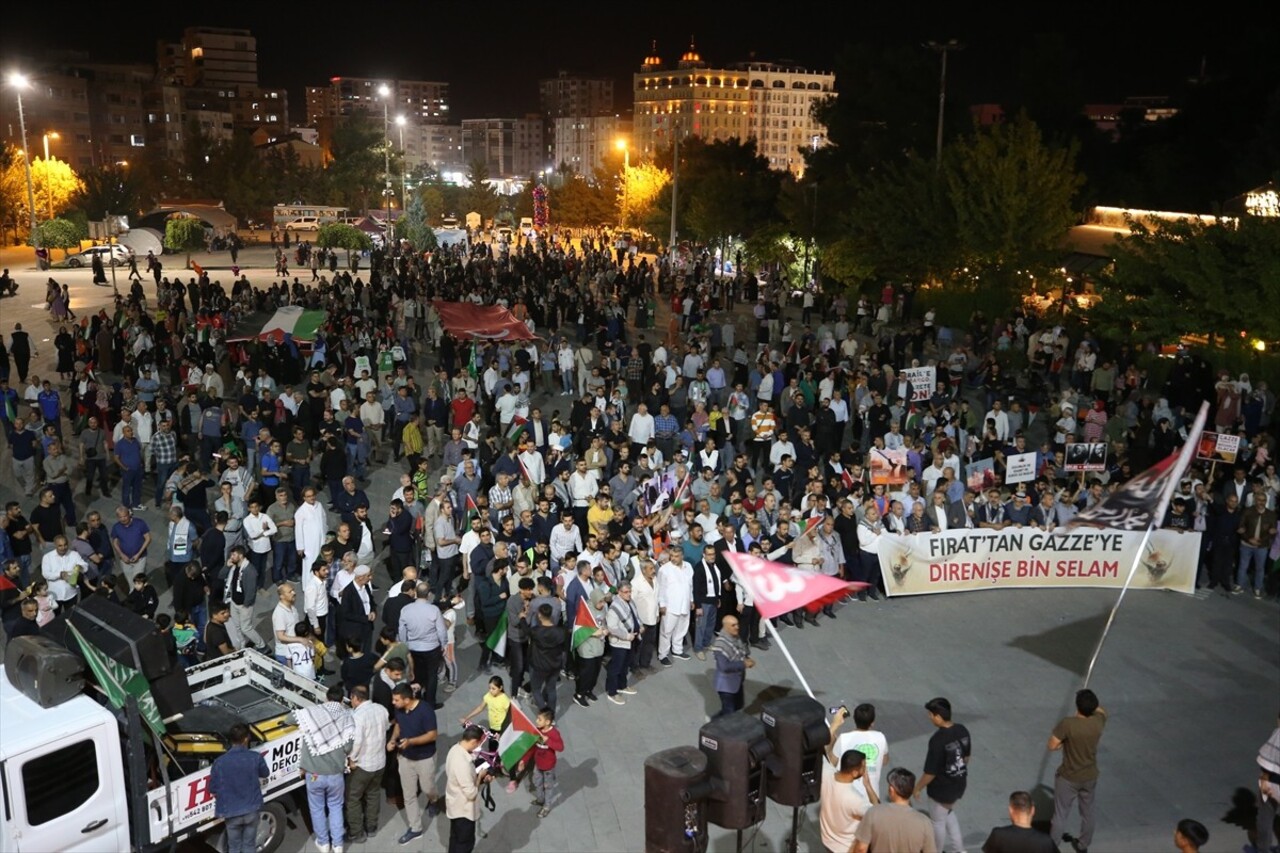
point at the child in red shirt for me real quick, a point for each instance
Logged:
(544, 761)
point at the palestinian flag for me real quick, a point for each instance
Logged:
(524, 473)
(516, 739)
(517, 427)
(470, 511)
(584, 623)
(497, 641)
(847, 479)
(299, 323)
(812, 522)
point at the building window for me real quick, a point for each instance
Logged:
(137, 140)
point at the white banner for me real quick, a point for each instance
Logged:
(923, 380)
(961, 560)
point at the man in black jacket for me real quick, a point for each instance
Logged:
(547, 643)
(358, 611)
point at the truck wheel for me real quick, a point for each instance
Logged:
(272, 823)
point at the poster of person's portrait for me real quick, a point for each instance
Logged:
(1218, 447)
(889, 467)
(1085, 456)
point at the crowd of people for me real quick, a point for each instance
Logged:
(581, 489)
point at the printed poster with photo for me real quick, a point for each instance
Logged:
(1086, 456)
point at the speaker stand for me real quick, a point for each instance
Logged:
(793, 844)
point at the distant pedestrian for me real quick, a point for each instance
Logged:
(366, 764)
(235, 781)
(1019, 837)
(544, 761)
(733, 659)
(1077, 777)
(462, 791)
(946, 773)
(328, 732)
(1191, 835)
(895, 826)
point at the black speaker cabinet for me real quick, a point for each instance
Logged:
(43, 671)
(122, 635)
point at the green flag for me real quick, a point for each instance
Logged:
(472, 367)
(120, 682)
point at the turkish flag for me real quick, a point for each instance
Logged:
(778, 588)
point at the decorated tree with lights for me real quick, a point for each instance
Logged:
(541, 210)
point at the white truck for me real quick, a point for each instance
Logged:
(85, 776)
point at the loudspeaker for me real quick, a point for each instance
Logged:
(43, 671)
(172, 693)
(736, 747)
(675, 789)
(796, 727)
(122, 635)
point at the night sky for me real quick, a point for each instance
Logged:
(492, 54)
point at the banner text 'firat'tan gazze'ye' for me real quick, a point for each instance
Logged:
(961, 560)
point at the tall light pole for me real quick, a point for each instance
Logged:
(52, 134)
(626, 171)
(20, 82)
(384, 91)
(675, 186)
(944, 48)
(401, 121)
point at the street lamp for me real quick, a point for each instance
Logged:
(52, 134)
(401, 121)
(626, 170)
(944, 49)
(384, 92)
(20, 82)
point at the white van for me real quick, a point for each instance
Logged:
(526, 226)
(303, 223)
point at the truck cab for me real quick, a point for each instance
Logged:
(45, 806)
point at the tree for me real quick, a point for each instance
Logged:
(1189, 277)
(184, 234)
(111, 190)
(55, 185)
(357, 167)
(479, 196)
(340, 235)
(14, 215)
(413, 225)
(1012, 196)
(59, 234)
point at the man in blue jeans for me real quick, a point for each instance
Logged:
(129, 458)
(1257, 529)
(235, 780)
(328, 732)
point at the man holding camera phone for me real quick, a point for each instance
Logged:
(462, 790)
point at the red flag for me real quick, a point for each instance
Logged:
(1141, 501)
(778, 588)
(847, 479)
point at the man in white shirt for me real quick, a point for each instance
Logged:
(284, 619)
(61, 567)
(847, 792)
(258, 529)
(782, 446)
(315, 601)
(641, 428)
(1001, 419)
(675, 598)
(564, 539)
(366, 763)
(310, 526)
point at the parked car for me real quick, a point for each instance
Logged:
(115, 255)
(303, 223)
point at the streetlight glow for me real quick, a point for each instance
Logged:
(19, 80)
(400, 120)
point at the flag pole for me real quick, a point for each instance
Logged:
(1156, 513)
(773, 632)
(1115, 608)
